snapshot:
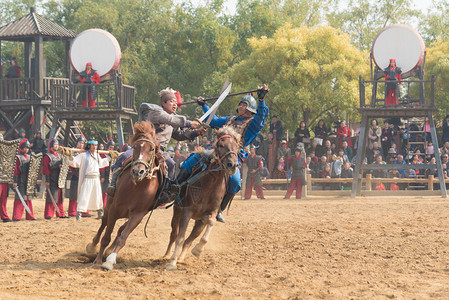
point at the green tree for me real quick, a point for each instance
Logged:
(311, 71)
(363, 19)
(435, 24)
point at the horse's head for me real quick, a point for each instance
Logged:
(145, 148)
(226, 149)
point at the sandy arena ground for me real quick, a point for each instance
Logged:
(319, 248)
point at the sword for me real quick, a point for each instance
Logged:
(53, 200)
(23, 201)
(214, 107)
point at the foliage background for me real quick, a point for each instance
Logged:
(310, 52)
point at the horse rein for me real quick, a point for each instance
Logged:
(149, 169)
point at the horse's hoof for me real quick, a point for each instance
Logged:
(90, 248)
(97, 261)
(107, 266)
(196, 252)
(166, 257)
(170, 267)
(108, 252)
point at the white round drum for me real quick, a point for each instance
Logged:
(400, 42)
(98, 47)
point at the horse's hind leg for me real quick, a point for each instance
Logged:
(185, 218)
(177, 212)
(196, 231)
(120, 241)
(111, 219)
(200, 246)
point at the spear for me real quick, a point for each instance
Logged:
(215, 98)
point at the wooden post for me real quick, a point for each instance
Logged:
(68, 68)
(27, 59)
(430, 183)
(309, 182)
(433, 134)
(39, 65)
(1, 70)
(368, 181)
(360, 157)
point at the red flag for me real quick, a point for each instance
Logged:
(32, 119)
(178, 98)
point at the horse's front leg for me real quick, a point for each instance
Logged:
(185, 218)
(196, 231)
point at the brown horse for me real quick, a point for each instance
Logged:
(135, 194)
(201, 198)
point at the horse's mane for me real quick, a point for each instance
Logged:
(228, 130)
(144, 129)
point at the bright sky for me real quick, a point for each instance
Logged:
(231, 4)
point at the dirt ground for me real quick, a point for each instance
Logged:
(315, 248)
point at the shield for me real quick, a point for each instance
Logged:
(8, 152)
(33, 172)
(63, 172)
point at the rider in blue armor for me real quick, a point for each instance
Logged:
(249, 122)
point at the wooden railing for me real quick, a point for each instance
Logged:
(18, 89)
(68, 96)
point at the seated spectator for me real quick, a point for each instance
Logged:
(347, 150)
(279, 172)
(310, 165)
(336, 165)
(379, 173)
(282, 150)
(320, 167)
(264, 173)
(433, 172)
(430, 152)
(344, 157)
(327, 146)
(326, 173)
(313, 147)
(400, 173)
(347, 172)
(313, 157)
(391, 157)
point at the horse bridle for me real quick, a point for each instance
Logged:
(227, 153)
(149, 169)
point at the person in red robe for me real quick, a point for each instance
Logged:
(392, 76)
(297, 164)
(89, 76)
(344, 134)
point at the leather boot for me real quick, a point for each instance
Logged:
(224, 203)
(111, 188)
(172, 188)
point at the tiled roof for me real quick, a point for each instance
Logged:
(33, 25)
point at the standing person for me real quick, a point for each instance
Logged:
(445, 137)
(38, 144)
(249, 122)
(51, 167)
(89, 186)
(343, 134)
(14, 70)
(321, 133)
(298, 164)
(105, 172)
(374, 133)
(302, 134)
(253, 179)
(168, 125)
(3, 197)
(392, 76)
(20, 181)
(276, 129)
(179, 159)
(386, 137)
(89, 76)
(75, 172)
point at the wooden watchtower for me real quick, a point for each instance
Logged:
(20, 98)
(55, 102)
(408, 107)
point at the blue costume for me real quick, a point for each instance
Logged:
(248, 127)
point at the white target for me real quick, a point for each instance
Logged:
(400, 42)
(98, 47)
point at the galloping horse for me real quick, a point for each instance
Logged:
(135, 194)
(201, 198)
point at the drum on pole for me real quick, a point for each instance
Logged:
(98, 47)
(400, 42)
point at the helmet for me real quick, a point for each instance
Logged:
(125, 147)
(171, 148)
(81, 139)
(110, 143)
(24, 144)
(177, 148)
(250, 102)
(52, 142)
